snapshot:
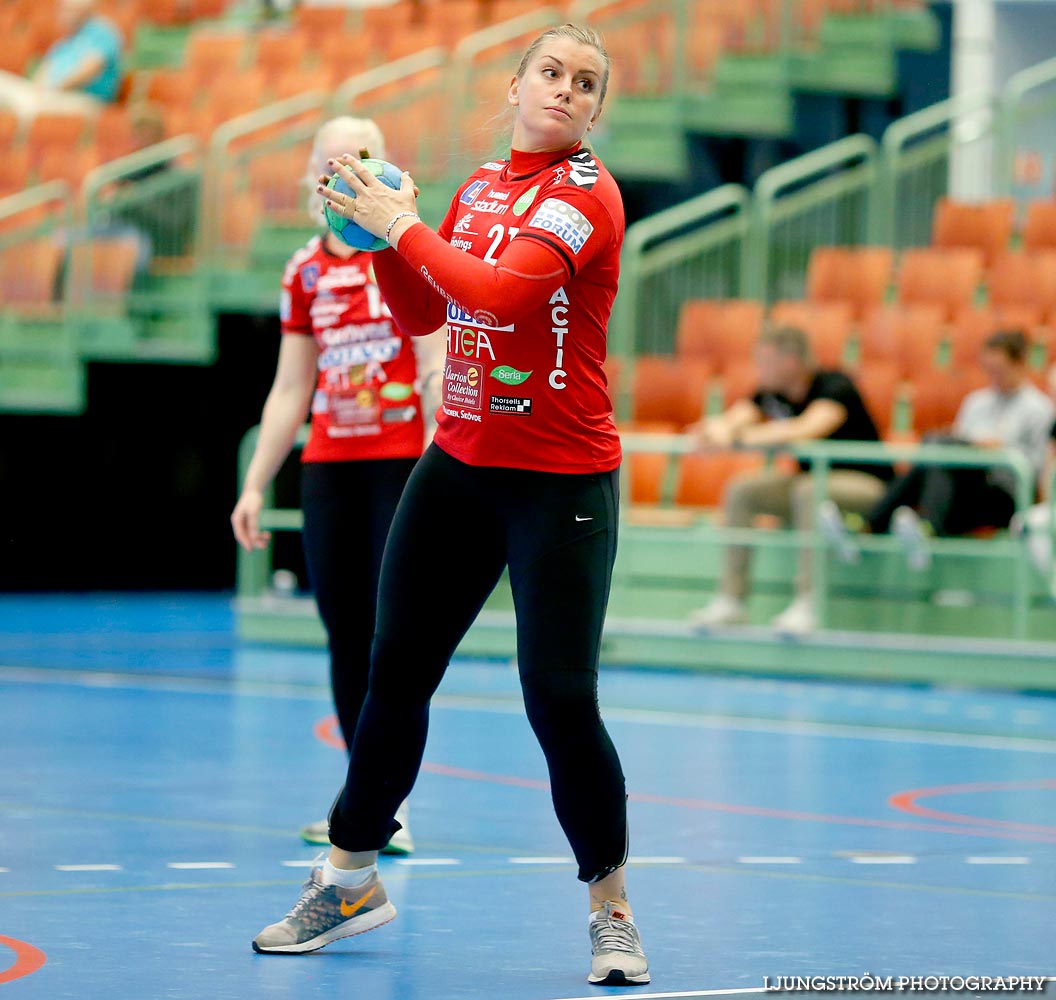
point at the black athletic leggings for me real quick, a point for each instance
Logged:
(456, 528)
(348, 507)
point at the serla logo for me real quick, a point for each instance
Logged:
(510, 376)
(522, 204)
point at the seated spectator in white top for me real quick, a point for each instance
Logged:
(932, 500)
(80, 72)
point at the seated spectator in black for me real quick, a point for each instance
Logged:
(81, 71)
(932, 500)
(796, 402)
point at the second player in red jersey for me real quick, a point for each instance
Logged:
(366, 401)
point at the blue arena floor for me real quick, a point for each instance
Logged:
(155, 773)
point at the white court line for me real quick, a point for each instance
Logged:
(542, 861)
(994, 859)
(2, 870)
(87, 868)
(645, 860)
(198, 865)
(883, 859)
(689, 993)
(253, 689)
(769, 861)
(297, 864)
(423, 862)
(688, 720)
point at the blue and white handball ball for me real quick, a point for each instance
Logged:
(347, 230)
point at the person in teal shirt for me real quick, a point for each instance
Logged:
(87, 58)
(81, 71)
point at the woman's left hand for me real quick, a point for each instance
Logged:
(375, 203)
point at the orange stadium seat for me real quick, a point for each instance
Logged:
(71, 166)
(454, 19)
(172, 87)
(211, 54)
(935, 400)
(647, 473)
(14, 170)
(54, 130)
(238, 219)
(275, 180)
(669, 390)
(1023, 279)
(986, 226)
(17, 52)
(879, 382)
(29, 273)
(279, 52)
(738, 380)
(113, 133)
(856, 276)
(8, 129)
(907, 336)
(1039, 227)
(102, 269)
(702, 476)
(718, 330)
(344, 55)
(827, 324)
(936, 276)
(971, 327)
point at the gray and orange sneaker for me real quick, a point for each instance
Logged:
(325, 913)
(618, 959)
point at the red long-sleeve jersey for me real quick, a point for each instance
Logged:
(524, 269)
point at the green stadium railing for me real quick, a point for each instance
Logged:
(823, 198)
(41, 370)
(919, 155)
(696, 250)
(976, 616)
(642, 134)
(153, 197)
(481, 68)
(1028, 102)
(246, 243)
(412, 102)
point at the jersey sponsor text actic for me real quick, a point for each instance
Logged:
(558, 418)
(365, 405)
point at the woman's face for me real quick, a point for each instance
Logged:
(558, 96)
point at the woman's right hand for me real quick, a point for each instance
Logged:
(245, 520)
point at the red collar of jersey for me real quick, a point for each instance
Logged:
(525, 164)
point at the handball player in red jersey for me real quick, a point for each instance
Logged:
(522, 474)
(343, 358)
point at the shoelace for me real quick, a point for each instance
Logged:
(309, 893)
(615, 935)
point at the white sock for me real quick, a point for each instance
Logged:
(347, 878)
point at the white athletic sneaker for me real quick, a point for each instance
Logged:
(402, 843)
(798, 618)
(908, 528)
(616, 947)
(834, 530)
(325, 913)
(720, 610)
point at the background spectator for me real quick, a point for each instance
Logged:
(795, 402)
(931, 500)
(78, 73)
